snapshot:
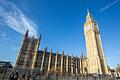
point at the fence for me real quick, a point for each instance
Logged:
(5, 73)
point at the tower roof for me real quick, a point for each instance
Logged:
(88, 13)
(26, 34)
(89, 16)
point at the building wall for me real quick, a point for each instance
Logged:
(48, 63)
(60, 64)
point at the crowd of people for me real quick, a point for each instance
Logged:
(15, 76)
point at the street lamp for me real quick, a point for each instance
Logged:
(8, 65)
(85, 69)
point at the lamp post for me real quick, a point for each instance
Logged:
(98, 74)
(7, 66)
(118, 71)
(86, 71)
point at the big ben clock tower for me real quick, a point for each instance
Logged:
(95, 54)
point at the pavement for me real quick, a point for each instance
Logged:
(57, 78)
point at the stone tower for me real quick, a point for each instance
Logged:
(95, 54)
(28, 52)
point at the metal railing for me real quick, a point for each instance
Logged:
(6, 73)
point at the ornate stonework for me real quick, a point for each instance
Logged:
(49, 63)
(95, 54)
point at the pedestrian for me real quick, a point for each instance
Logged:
(16, 76)
(34, 76)
(28, 76)
(77, 78)
(11, 76)
(23, 76)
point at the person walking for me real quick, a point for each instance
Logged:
(34, 76)
(23, 76)
(11, 77)
(16, 76)
(28, 76)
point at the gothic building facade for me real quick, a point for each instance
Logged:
(49, 63)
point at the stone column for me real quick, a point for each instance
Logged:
(72, 65)
(62, 67)
(36, 51)
(41, 69)
(76, 65)
(56, 60)
(67, 63)
(35, 54)
(49, 62)
(80, 65)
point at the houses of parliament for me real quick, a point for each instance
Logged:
(50, 63)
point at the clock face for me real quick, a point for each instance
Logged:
(87, 28)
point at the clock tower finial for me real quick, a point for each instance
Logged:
(88, 13)
(89, 17)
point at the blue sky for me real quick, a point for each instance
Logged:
(61, 23)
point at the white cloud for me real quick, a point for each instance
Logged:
(15, 48)
(108, 6)
(3, 35)
(9, 40)
(13, 17)
(117, 51)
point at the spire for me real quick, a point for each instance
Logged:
(26, 34)
(33, 37)
(88, 13)
(89, 16)
(39, 39)
(63, 52)
(57, 52)
(67, 53)
(45, 49)
(76, 56)
(40, 36)
(82, 55)
(51, 50)
(72, 55)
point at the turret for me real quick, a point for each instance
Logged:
(40, 35)
(39, 39)
(82, 55)
(26, 35)
(33, 37)
(89, 17)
